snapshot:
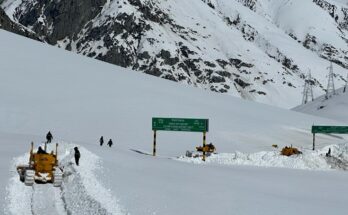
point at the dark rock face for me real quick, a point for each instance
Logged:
(67, 17)
(251, 4)
(330, 8)
(7, 24)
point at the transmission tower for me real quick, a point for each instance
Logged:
(330, 85)
(308, 89)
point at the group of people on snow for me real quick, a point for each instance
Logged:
(101, 141)
(77, 154)
(49, 138)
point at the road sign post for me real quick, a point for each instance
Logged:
(179, 124)
(204, 142)
(313, 141)
(323, 129)
(154, 143)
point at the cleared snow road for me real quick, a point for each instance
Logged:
(47, 199)
(81, 191)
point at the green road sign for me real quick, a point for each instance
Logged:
(180, 124)
(329, 129)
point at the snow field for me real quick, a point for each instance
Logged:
(80, 99)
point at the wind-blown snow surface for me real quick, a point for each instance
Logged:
(333, 108)
(43, 88)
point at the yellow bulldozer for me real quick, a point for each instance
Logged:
(42, 168)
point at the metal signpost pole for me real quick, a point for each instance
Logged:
(313, 141)
(204, 139)
(154, 142)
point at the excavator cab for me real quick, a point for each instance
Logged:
(42, 168)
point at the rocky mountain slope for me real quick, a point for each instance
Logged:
(7, 24)
(256, 49)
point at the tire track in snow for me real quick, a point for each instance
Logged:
(46, 199)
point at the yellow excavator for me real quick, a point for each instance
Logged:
(42, 168)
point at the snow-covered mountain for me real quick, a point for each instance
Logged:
(256, 49)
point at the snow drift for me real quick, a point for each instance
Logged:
(309, 160)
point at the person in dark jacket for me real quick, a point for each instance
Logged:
(77, 155)
(49, 137)
(110, 143)
(101, 141)
(328, 154)
(41, 151)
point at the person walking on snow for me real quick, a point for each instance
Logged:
(110, 143)
(77, 155)
(49, 137)
(101, 141)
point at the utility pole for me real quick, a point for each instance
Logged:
(330, 90)
(345, 86)
(308, 89)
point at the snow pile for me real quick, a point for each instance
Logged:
(17, 191)
(82, 191)
(310, 160)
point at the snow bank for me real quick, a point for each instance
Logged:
(82, 191)
(18, 196)
(309, 160)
